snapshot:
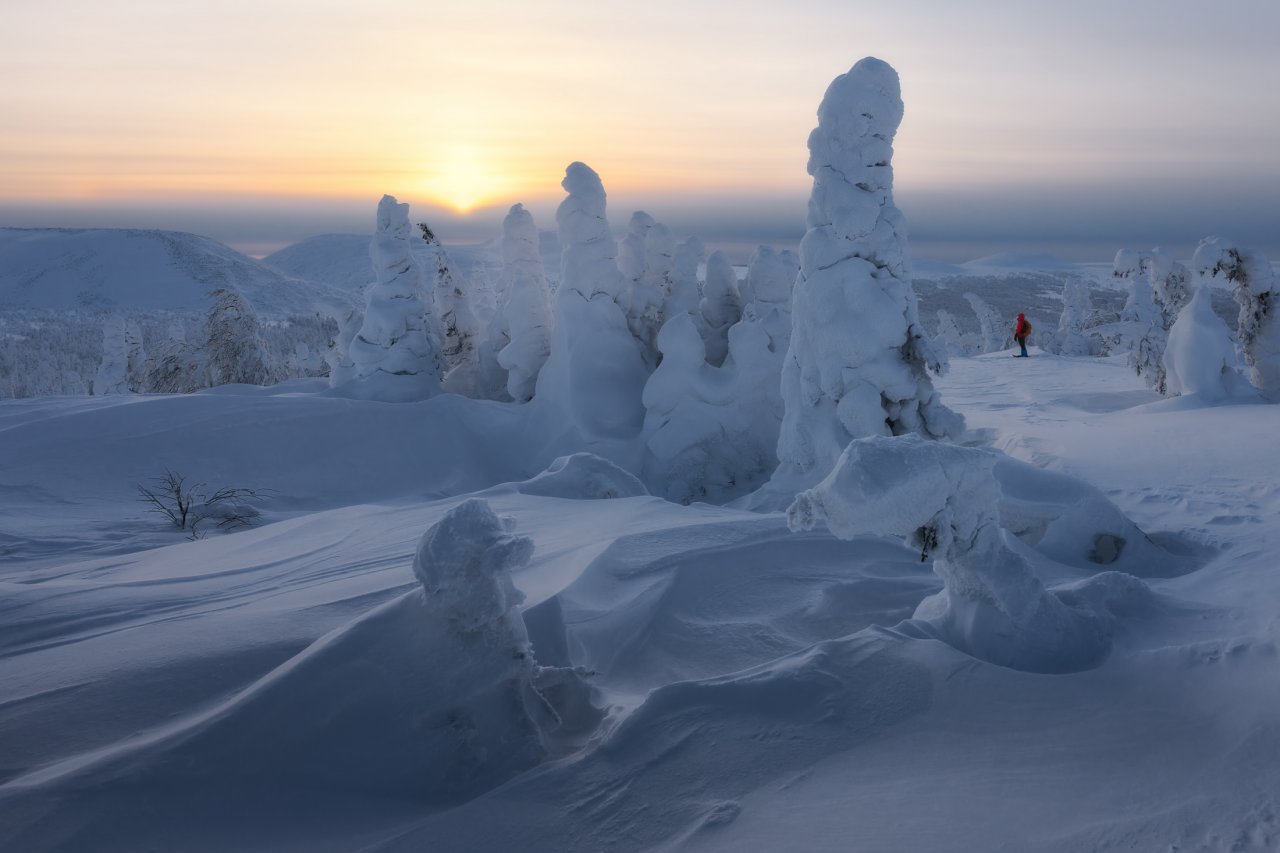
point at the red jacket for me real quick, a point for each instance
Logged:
(1023, 328)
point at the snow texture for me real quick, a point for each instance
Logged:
(583, 476)
(858, 358)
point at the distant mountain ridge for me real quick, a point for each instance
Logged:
(141, 269)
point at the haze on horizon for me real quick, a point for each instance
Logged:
(1076, 129)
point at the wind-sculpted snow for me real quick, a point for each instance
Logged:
(947, 500)
(583, 476)
(858, 357)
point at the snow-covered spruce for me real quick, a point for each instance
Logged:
(1256, 291)
(394, 356)
(685, 295)
(1142, 320)
(523, 320)
(233, 345)
(592, 380)
(122, 356)
(858, 358)
(996, 334)
(720, 306)
(341, 368)
(951, 338)
(1072, 336)
(946, 499)
(645, 259)
(1200, 358)
(455, 322)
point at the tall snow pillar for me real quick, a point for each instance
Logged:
(856, 363)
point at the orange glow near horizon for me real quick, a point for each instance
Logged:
(480, 106)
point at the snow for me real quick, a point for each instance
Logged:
(757, 686)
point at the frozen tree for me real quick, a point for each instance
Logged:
(452, 318)
(394, 356)
(1071, 336)
(594, 376)
(1170, 284)
(708, 434)
(341, 368)
(685, 296)
(950, 336)
(121, 356)
(858, 359)
(996, 334)
(645, 259)
(524, 317)
(233, 345)
(770, 276)
(720, 306)
(946, 499)
(1200, 358)
(1142, 320)
(1256, 291)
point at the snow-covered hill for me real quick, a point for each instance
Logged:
(59, 269)
(754, 689)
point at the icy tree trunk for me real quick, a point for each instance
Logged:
(857, 360)
(525, 313)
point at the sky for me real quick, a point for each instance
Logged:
(1076, 127)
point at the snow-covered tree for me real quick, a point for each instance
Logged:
(341, 368)
(995, 331)
(1200, 358)
(233, 346)
(685, 296)
(646, 259)
(720, 306)
(394, 356)
(1071, 336)
(524, 317)
(771, 275)
(593, 379)
(952, 338)
(452, 319)
(1142, 320)
(122, 356)
(858, 358)
(1257, 292)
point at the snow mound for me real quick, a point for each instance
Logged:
(133, 269)
(583, 476)
(993, 604)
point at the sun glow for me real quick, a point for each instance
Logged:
(463, 181)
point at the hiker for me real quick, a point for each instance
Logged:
(1020, 332)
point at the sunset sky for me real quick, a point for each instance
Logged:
(1074, 127)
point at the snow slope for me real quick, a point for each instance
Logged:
(756, 689)
(130, 269)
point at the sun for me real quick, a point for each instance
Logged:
(462, 181)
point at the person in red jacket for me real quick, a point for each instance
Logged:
(1020, 332)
